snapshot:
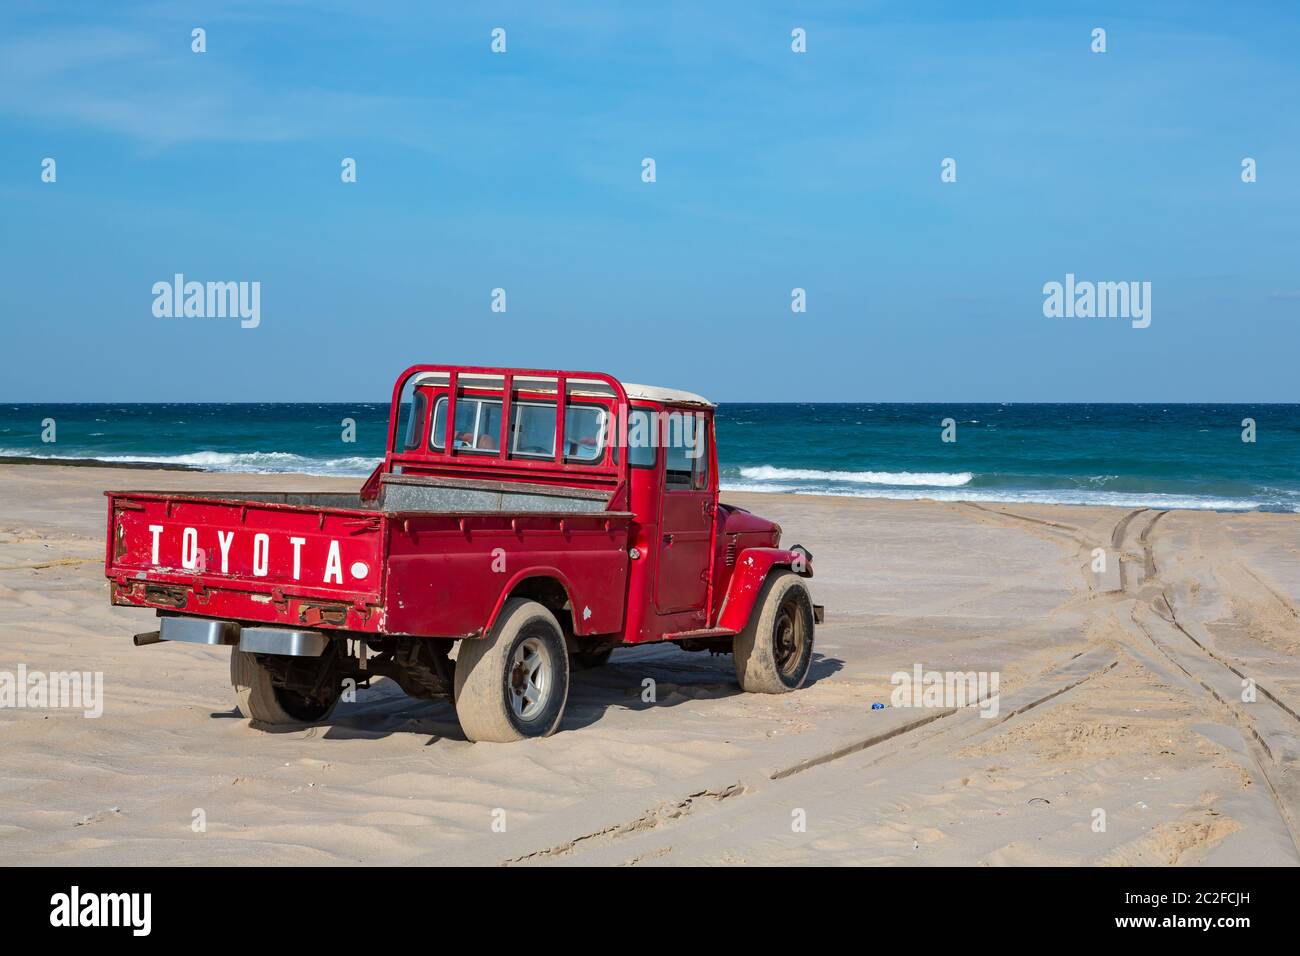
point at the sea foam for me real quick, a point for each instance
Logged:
(925, 479)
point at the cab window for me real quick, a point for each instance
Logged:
(584, 432)
(478, 428)
(685, 437)
(413, 413)
(534, 431)
(642, 446)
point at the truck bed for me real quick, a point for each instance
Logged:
(410, 561)
(304, 560)
(418, 493)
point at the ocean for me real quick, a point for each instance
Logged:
(1152, 455)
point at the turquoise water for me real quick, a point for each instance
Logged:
(1172, 456)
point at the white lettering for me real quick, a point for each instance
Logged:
(261, 553)
(297, 555)
(334, 564)
(224, 539)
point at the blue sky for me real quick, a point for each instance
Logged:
(775, 170)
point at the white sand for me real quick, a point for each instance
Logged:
(1146, 723)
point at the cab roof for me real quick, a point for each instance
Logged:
(671, 396)
(577, 386)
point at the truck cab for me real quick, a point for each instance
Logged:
(522, 523)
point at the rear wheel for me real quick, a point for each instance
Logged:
(261, 700)
(514, 682)
(774, 652)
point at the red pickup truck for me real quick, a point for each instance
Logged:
(561, 515)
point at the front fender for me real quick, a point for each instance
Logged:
(752, 567)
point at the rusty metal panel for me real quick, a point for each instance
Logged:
(451, 496)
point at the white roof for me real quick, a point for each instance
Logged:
(673, 396)
(577, 386)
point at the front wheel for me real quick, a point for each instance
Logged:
(774, 652)
(514, 682)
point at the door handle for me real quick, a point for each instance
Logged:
(668, 539)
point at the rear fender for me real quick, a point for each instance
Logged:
(752, 568)
(579, 625)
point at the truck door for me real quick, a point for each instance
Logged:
(686, 528)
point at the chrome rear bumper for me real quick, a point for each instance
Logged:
(279, 640)
(252, 640)
(197, 630)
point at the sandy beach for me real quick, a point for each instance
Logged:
(1121, 735)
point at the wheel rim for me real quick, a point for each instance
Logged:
(789, 637)
(529, 682)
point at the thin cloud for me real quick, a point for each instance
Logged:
(125, 83)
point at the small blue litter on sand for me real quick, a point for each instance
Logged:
(877, 706)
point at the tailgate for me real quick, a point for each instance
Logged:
(247, 560)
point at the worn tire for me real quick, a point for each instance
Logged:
(774, 652)
(492, 690)
(260, 700)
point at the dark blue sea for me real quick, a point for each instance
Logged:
(1168, 456)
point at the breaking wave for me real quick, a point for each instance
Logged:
(1114, 499)
(257, 462)
(920, 479)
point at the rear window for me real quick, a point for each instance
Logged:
(532, 433)
(584, 432)
(478, 425)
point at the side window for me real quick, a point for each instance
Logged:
(641, 439)
(413, 413)
(686, 444)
